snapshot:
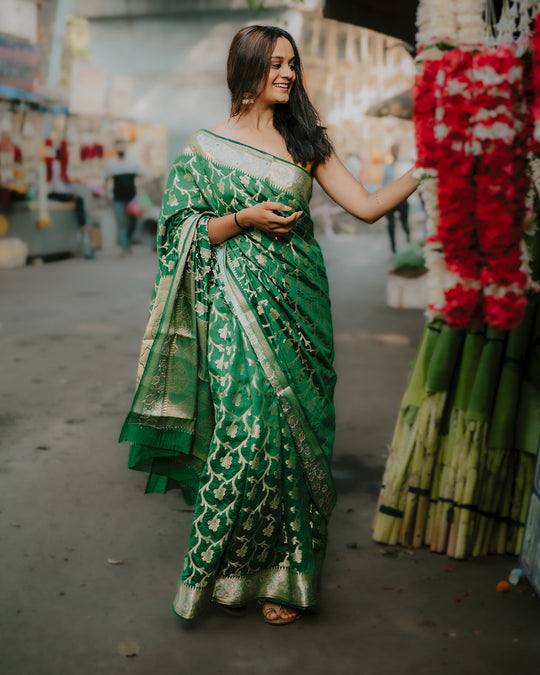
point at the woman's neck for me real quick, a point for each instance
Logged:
(257, 118)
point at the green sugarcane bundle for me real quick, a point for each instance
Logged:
(520, 502)
(425, 444)
(508, 534)
(473, 444)
(454, 448)
(391, 504)
(526, 437)
(499, 537)
(496, 459)
(439, 377)
(442, 452)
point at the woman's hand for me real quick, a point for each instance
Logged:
(263, 216)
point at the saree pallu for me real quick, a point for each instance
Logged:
(234, 402)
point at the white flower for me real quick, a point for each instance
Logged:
(440, 131)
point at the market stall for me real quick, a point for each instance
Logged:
(462, 459)
(58, 126)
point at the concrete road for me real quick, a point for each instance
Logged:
(70, 335)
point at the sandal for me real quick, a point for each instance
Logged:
(279, 619)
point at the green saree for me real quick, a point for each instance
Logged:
(235, 382)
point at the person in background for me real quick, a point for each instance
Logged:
(60, 191)
(122, 172)
(391, 171)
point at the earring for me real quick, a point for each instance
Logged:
(247, 100)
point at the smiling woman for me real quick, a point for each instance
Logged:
(234, 402)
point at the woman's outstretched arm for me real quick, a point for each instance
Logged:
(351, 195)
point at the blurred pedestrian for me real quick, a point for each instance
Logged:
(122, 171)
(60, 190)
(392, 170)
(234, 402)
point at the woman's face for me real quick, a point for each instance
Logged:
(281, 75)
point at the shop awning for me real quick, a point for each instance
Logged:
(391, 17)
(15, 94)
(385, 16)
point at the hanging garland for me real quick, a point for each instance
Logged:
(472, 122)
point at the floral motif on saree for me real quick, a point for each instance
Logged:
(235, 381)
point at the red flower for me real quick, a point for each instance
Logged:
(505, 312)
(463, 307)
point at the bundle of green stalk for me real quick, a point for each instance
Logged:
(458, 477)
(460, 439)
(521, 378)
(402, 510)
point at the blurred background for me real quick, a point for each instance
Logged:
(77, 74)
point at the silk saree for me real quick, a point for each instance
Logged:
(234, 398)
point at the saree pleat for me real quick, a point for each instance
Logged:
(234, 403)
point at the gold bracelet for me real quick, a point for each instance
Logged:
(240, 227)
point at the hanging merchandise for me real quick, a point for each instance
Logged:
(49, 157)
(62, 155)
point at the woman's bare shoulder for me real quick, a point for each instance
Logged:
(222, 128)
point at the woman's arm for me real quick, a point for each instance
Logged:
(345, 190)
(261, 216)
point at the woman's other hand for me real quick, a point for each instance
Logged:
(263, 216)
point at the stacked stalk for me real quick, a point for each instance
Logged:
(509, 533)
(454, 446)
(527, 431)
(391, 505)
(462, 456)
(404, 500)
(473, 444)
(500, 443)
(438, 383)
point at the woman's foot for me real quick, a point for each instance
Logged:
(279, 615)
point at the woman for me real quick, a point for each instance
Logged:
(234, 401)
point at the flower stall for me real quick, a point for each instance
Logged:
(460, 470)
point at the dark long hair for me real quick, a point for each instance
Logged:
(297, 120)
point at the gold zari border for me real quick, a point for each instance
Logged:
(282, 584)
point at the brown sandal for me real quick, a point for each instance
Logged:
(279, 620)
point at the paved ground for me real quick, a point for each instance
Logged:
(70, 334)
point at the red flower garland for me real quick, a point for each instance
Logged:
(502, 183)
(424, 114)
(478, 138)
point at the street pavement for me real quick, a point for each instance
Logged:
(90, 563)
